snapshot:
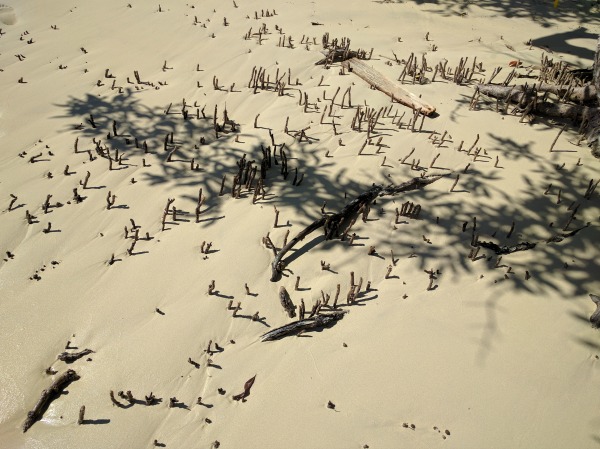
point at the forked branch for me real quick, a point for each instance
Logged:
(333, 224)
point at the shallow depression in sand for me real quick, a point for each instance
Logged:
(7, 15)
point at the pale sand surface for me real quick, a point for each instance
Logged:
(497, 360)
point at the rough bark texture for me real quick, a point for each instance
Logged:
(315, 322)
(518, 94)
(48, 395)
(286, 302)
(521, 93)
(589, 116)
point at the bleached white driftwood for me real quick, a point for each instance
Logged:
(387, 86)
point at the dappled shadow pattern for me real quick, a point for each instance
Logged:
(540, 11)
(441, 239)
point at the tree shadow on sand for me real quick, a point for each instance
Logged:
(569, 267)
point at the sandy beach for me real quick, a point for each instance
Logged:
(155, 158)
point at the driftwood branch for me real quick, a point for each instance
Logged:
(592, 132)
(527, 98)
(314, 322)
(387, 86)
(277, 265)
(498, 249)
(524, 96)
(70, 357)
(334, 223)
(48, 395)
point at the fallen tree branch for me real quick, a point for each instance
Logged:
(520, 93)
(315, 322)
(388, 87)
(575, 94)
(592, 131)
(333, 223)
(522, 96)
(527, 98)
(48, 395)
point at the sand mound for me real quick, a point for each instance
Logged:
(7, 15)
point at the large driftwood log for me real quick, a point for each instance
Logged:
(526, 93)
(387, 86)
(315, 322)
(506, 249)
(595, 317)
(523, 96)
(333, 223)
(576, 94)
(48, 395)
(592, 132)
(514, 94)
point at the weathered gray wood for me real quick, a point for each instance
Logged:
(577, 94)
(595, 317)
(286, 302)
(277, 265)
(518, 94)
(592, 133)
(387, 86)
(48, 395)
(523, 93)
(572, 111)
(315, 322)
